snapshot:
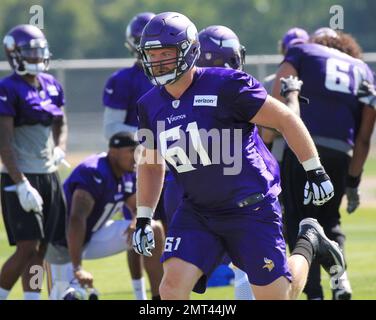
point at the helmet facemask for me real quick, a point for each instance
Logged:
(181, 66)
(31, 58)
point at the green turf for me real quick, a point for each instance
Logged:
(113, 281)
(370, 166)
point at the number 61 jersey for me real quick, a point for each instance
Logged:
(209, 144)
(331, 79)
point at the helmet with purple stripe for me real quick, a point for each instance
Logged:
(220, 47)
(169, 30)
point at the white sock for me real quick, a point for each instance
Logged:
(28, 295)
(243, 289)
(139, 289)
(4, 294)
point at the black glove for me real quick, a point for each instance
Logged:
(352, 193)
(143, 237)
(318, 189)
(367, 93)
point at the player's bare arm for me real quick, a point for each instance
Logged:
(6, 150)
(60, 131)
(291, 100)
(361, 150)
(82, 205)
(275, 114)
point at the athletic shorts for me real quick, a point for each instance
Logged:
(251, 236)
(21, 225)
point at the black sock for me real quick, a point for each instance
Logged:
(158, 297)
(304, 248)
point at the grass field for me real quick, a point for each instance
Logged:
(113, 281)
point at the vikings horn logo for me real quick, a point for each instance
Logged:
(269, 264)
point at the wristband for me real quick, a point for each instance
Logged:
(312, 164)
(145, 212)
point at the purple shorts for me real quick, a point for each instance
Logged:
(251, 236)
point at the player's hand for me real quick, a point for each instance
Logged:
(29, 197)
(59, 157)
(84, 278)
(143, 237)
(353, 199)
(318, 189)
(290, 84)
(352, 193)
(367, 93)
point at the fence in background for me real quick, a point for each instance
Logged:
(83, 81)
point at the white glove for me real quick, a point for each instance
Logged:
(59, 157)
(318, 188)
(29, 197)
(143, 237)
(290, 84)
(367, 93)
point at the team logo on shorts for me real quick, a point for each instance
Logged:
(269, 264)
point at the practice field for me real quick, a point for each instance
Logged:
(113, 281)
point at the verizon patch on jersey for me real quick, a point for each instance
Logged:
(207, 100)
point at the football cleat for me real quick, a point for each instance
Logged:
(327, 251)
(341, 288)
(75, 294)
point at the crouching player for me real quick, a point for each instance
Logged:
(96, 190)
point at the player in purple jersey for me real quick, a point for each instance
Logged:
(33, 135)
(341, 127)
(230, 180)
(220, 47)
(95, 191)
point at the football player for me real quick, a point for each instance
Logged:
(33, 134)
(120, 95)
(95, 191)
(341, 128)
(220, 47)
(224, 210)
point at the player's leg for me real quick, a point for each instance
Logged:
(256, 244)
(59, 271)
(136, 265)
(24, 229)
(31, 288)
(153, 265)
(179, 279)
(293, 180)
(13, 268)
(336, 164)
(191, 253)
(243, 290)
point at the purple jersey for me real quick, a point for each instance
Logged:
(27, 104)
(33, 110)
(219, 101)
(95, 176)
(331, 79)
(123, 89)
